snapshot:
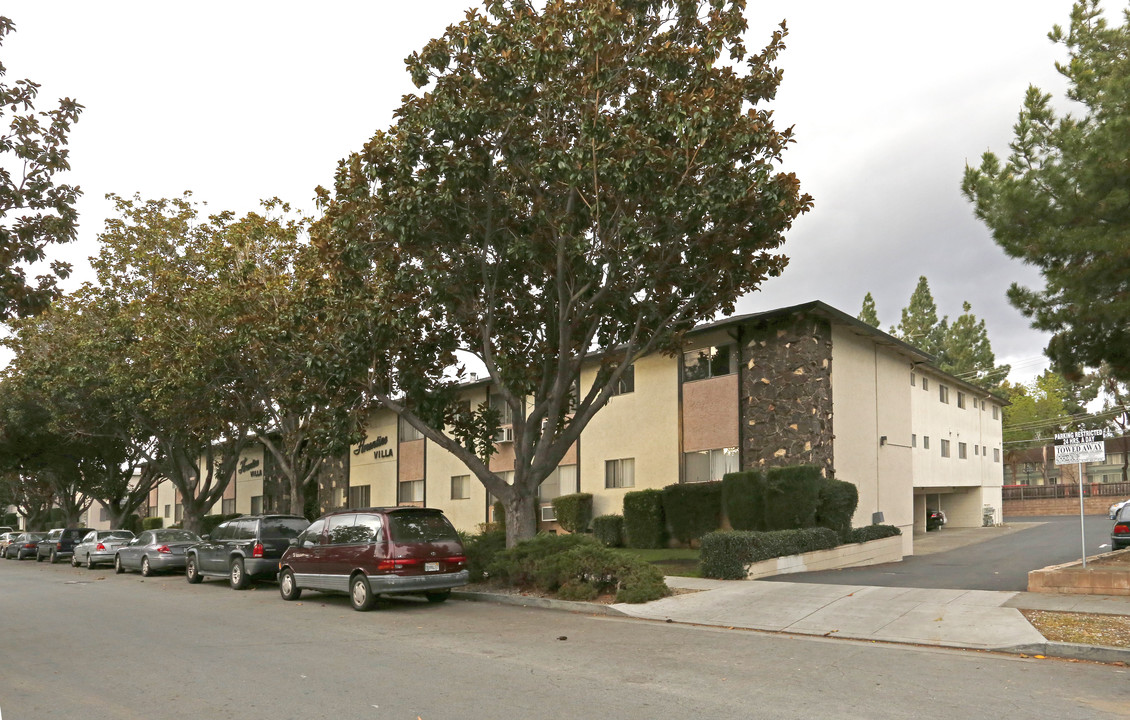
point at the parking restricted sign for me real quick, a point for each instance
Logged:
(1081, 446)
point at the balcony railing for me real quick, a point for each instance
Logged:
(1052, 492)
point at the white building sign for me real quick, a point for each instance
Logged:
(1083, 446)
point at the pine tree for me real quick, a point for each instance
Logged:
(919, 325)
(868, 314)
(967, 353)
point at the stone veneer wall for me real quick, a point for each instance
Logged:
(333, 481)
(786, 393)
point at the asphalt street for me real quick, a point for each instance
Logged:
(95, 645)
(1002, 563)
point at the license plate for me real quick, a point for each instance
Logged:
(431, 567)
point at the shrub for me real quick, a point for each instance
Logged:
(791, 497)
(838, 500)
(743, 499)
(577, 590)
(693, 509)
(574, 512)
(643, 583)
(209, 523)
(132, 523)
(727, 555)
(872, 532)
(481, 550)
(533, 562)
(609, 530)
(152, 523)
(644, 524)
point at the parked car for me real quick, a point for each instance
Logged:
(99, 547)
(6, 529)
(376, 551)
(7, 539)
(59, 544)
(243, 549)
(1113, 511)
(1120, 534)
(154, 551)
(25, 545)
(935, 519)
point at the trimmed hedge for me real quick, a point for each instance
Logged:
(837, 504)
(872, 532)
(727, 555)
(644, 523)
(791, 496)
(609, 530)
(743, 498)
(574, 512)
(693, 509)
(152, 523)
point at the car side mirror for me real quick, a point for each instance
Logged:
(293, 542)
(205, 537)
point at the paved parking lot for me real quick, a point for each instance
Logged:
(978, 558)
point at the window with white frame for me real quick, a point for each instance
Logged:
(961, 399)
(460, 487)
(945, 448)
(710, 362)
(407, 434)
(562, 481)
(996, 454)
(710, 465)
(227, 507)
(505, 413)
(943, 394)
(411, 491)
(627, 382)
(359, 496)
(620, 473)
(962, 452)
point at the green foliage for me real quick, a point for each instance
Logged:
(919, 325)
(693, 509)
(574, 512)
(644, 523)
(578, 178)
(727, 555)
(35, 211)
(608, 530)
(868, 314)
(132, 523)
(967, 353)
(533, 563)
(152, 523)
(1059, 202)
(872, 532)
(791, 496)
(837, 503)
(743, 499)
(11, 520)
(209, 523)
(481, 550)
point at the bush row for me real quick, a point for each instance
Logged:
(727, 555)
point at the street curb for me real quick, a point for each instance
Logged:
(1071, 651)
(538, 602)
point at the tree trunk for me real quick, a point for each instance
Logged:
(192, 512)
(521, 516)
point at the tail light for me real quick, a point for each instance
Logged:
(164, 549)
(58, 546)
(457, 559)
(100, 547)
(29, 546)
(1121, 529)
(257, 551)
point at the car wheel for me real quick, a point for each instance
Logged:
(74, 560)
(118, 569)
(236, 575)
(54, 558)
(190, 572)
(89, 562)
(438, 597)
(38, 557)
(145, 570)
(360, 594)
(288, 586)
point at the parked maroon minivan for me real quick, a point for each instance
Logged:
(368, 552)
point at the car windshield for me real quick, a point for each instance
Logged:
(420, 527)
(167, 536)
(284, 528)
(36, 536)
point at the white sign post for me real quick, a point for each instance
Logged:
(1076, 448)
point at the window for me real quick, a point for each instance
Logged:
(103, 515)
(708, 465)
(151, 511)
(945, 448)
(411, 491)
(996, 412)
(409, 433)
(359, 496)
(627, 382)
(975, 452)
(943, 394)
(912, 379)
(312, 535)
(505, 414)
(345, 530)
(996, 454)
(961, 451)
(562, 481)
(961, 399)
(460, 487)
(913, 440)
(925, 442)
(620, 473)
(227, 507)
(257, 505)
(710, 362)
(178, 512)
(168, 510)
(925, 383)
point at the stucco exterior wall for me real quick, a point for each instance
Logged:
(249, 475)
(373, 461)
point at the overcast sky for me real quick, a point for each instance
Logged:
(239, 101)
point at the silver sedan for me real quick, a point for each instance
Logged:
(99, 547)
(154, 551)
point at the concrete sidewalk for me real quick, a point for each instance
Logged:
(971, 619)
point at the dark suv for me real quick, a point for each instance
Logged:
(243, 549)
(59, 544)
(376, 551)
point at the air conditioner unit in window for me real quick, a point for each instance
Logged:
(547, 514)
(504, 435)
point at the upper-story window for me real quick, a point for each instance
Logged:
(505, 414)
(925, 383)
(627, 381)
(710, 362)
(961, 399)
(996, 412)
(912, 380)
(943, 393)
(407, 433)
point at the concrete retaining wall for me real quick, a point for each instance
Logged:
(854, 555)
(1057, 506)
(1072, 579)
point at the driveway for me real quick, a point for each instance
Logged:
(977, 558)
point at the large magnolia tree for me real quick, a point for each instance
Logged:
(578, 182)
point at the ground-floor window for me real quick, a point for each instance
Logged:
(460, 487)
(620, 473)
(256, 504)
(178, 512)
(562, 481)
(227, 507)
(359, 496)
(411, 491)
(708, 465)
